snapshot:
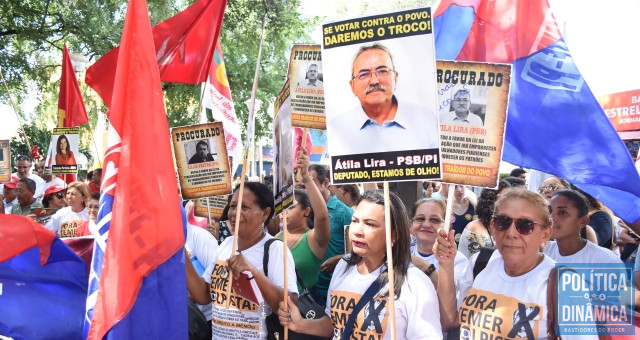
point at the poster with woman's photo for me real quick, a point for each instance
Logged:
(201, 155)
(283, 151)
(380, 98)
(63, 150)
(5, 161)
(307, 87)
(472, 105)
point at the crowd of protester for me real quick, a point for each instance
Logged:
(499, 253)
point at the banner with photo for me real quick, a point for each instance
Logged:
(472, 104)
(5, 161)
(215, 207)
(283, 151)
(63, 148)
(307, 87)
(201, 157)
(380, 98)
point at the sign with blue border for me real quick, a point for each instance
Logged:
(594, 298)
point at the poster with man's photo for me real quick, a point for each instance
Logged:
(201, 156)
(5, 161)
(380, 98)
(283, 157)
(472, 104)
(211, 207)
(307, 87)
(63, 150)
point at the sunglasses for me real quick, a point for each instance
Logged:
(551, 187)
(524, 226)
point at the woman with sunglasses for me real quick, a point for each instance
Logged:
(551, 185)
(513, 285)
(415, 297)
(65, 222)
(570, 215)
(54, 197)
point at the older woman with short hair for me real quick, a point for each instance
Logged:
(65, 221)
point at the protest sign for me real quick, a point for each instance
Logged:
(283, 151)
(5, 161)
(307, 90)
(380, 98)
(472, 104)
(62, 150)
(201, 156)
(215, 206)
(622, 109)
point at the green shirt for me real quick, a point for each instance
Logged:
(307, 264)
(17, 208)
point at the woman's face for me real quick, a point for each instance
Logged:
(517, 248)
(75, 198)
(429, 217)
(459, 191)
(367, 230)
(550, 186)
(57, 200)
(565, 217)
(64, 144)
(251, 216)
(296, 215)
(92, 208)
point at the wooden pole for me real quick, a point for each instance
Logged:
(209, 210)
(285, 239)
(244, 162)
(449, 201)
(387, 221)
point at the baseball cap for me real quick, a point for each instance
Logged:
(12, 184)
(53, 189)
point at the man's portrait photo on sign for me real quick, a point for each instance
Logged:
(200, 152)
(384, 98)
(464, 109)
(312, 77)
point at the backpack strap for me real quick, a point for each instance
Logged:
(265, 263)
(364, 299)
(482, 260)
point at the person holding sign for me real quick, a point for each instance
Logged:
(381, 118)
(461, 102)
(416, 314)
(235, 317)
(64, 155)
(514, 279)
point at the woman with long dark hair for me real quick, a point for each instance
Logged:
(416, 311)
(64, 155)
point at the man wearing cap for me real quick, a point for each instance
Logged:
(54, 197)
(9, 196)
(49, 180)
(25, 189)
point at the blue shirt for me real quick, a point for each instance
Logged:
(414, 127)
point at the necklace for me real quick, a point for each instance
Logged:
(291, 245)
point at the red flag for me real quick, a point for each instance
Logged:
(145, 222)
(184, 46)
(71, 111)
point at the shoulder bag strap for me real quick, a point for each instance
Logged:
(265, 263)
(482, 260)
(366, 297)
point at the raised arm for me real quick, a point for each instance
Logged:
(319, 236)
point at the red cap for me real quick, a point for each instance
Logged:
(53, 189)
(13, 183)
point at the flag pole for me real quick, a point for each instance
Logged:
(387, 221)
(26, 139)
(447, 214)
(250, 132)
(285, 239)
(207, 82)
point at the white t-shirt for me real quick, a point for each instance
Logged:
(491, 305)
(245, 319)
(204, 246)
(459, 263)
(416, 309)
(590, 253)
(65, 221)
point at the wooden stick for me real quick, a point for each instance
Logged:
(285, 239)
(302, 142)
(387, 221)
(209, 210)
(447, 215)
(237, 226)
(26, 139)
